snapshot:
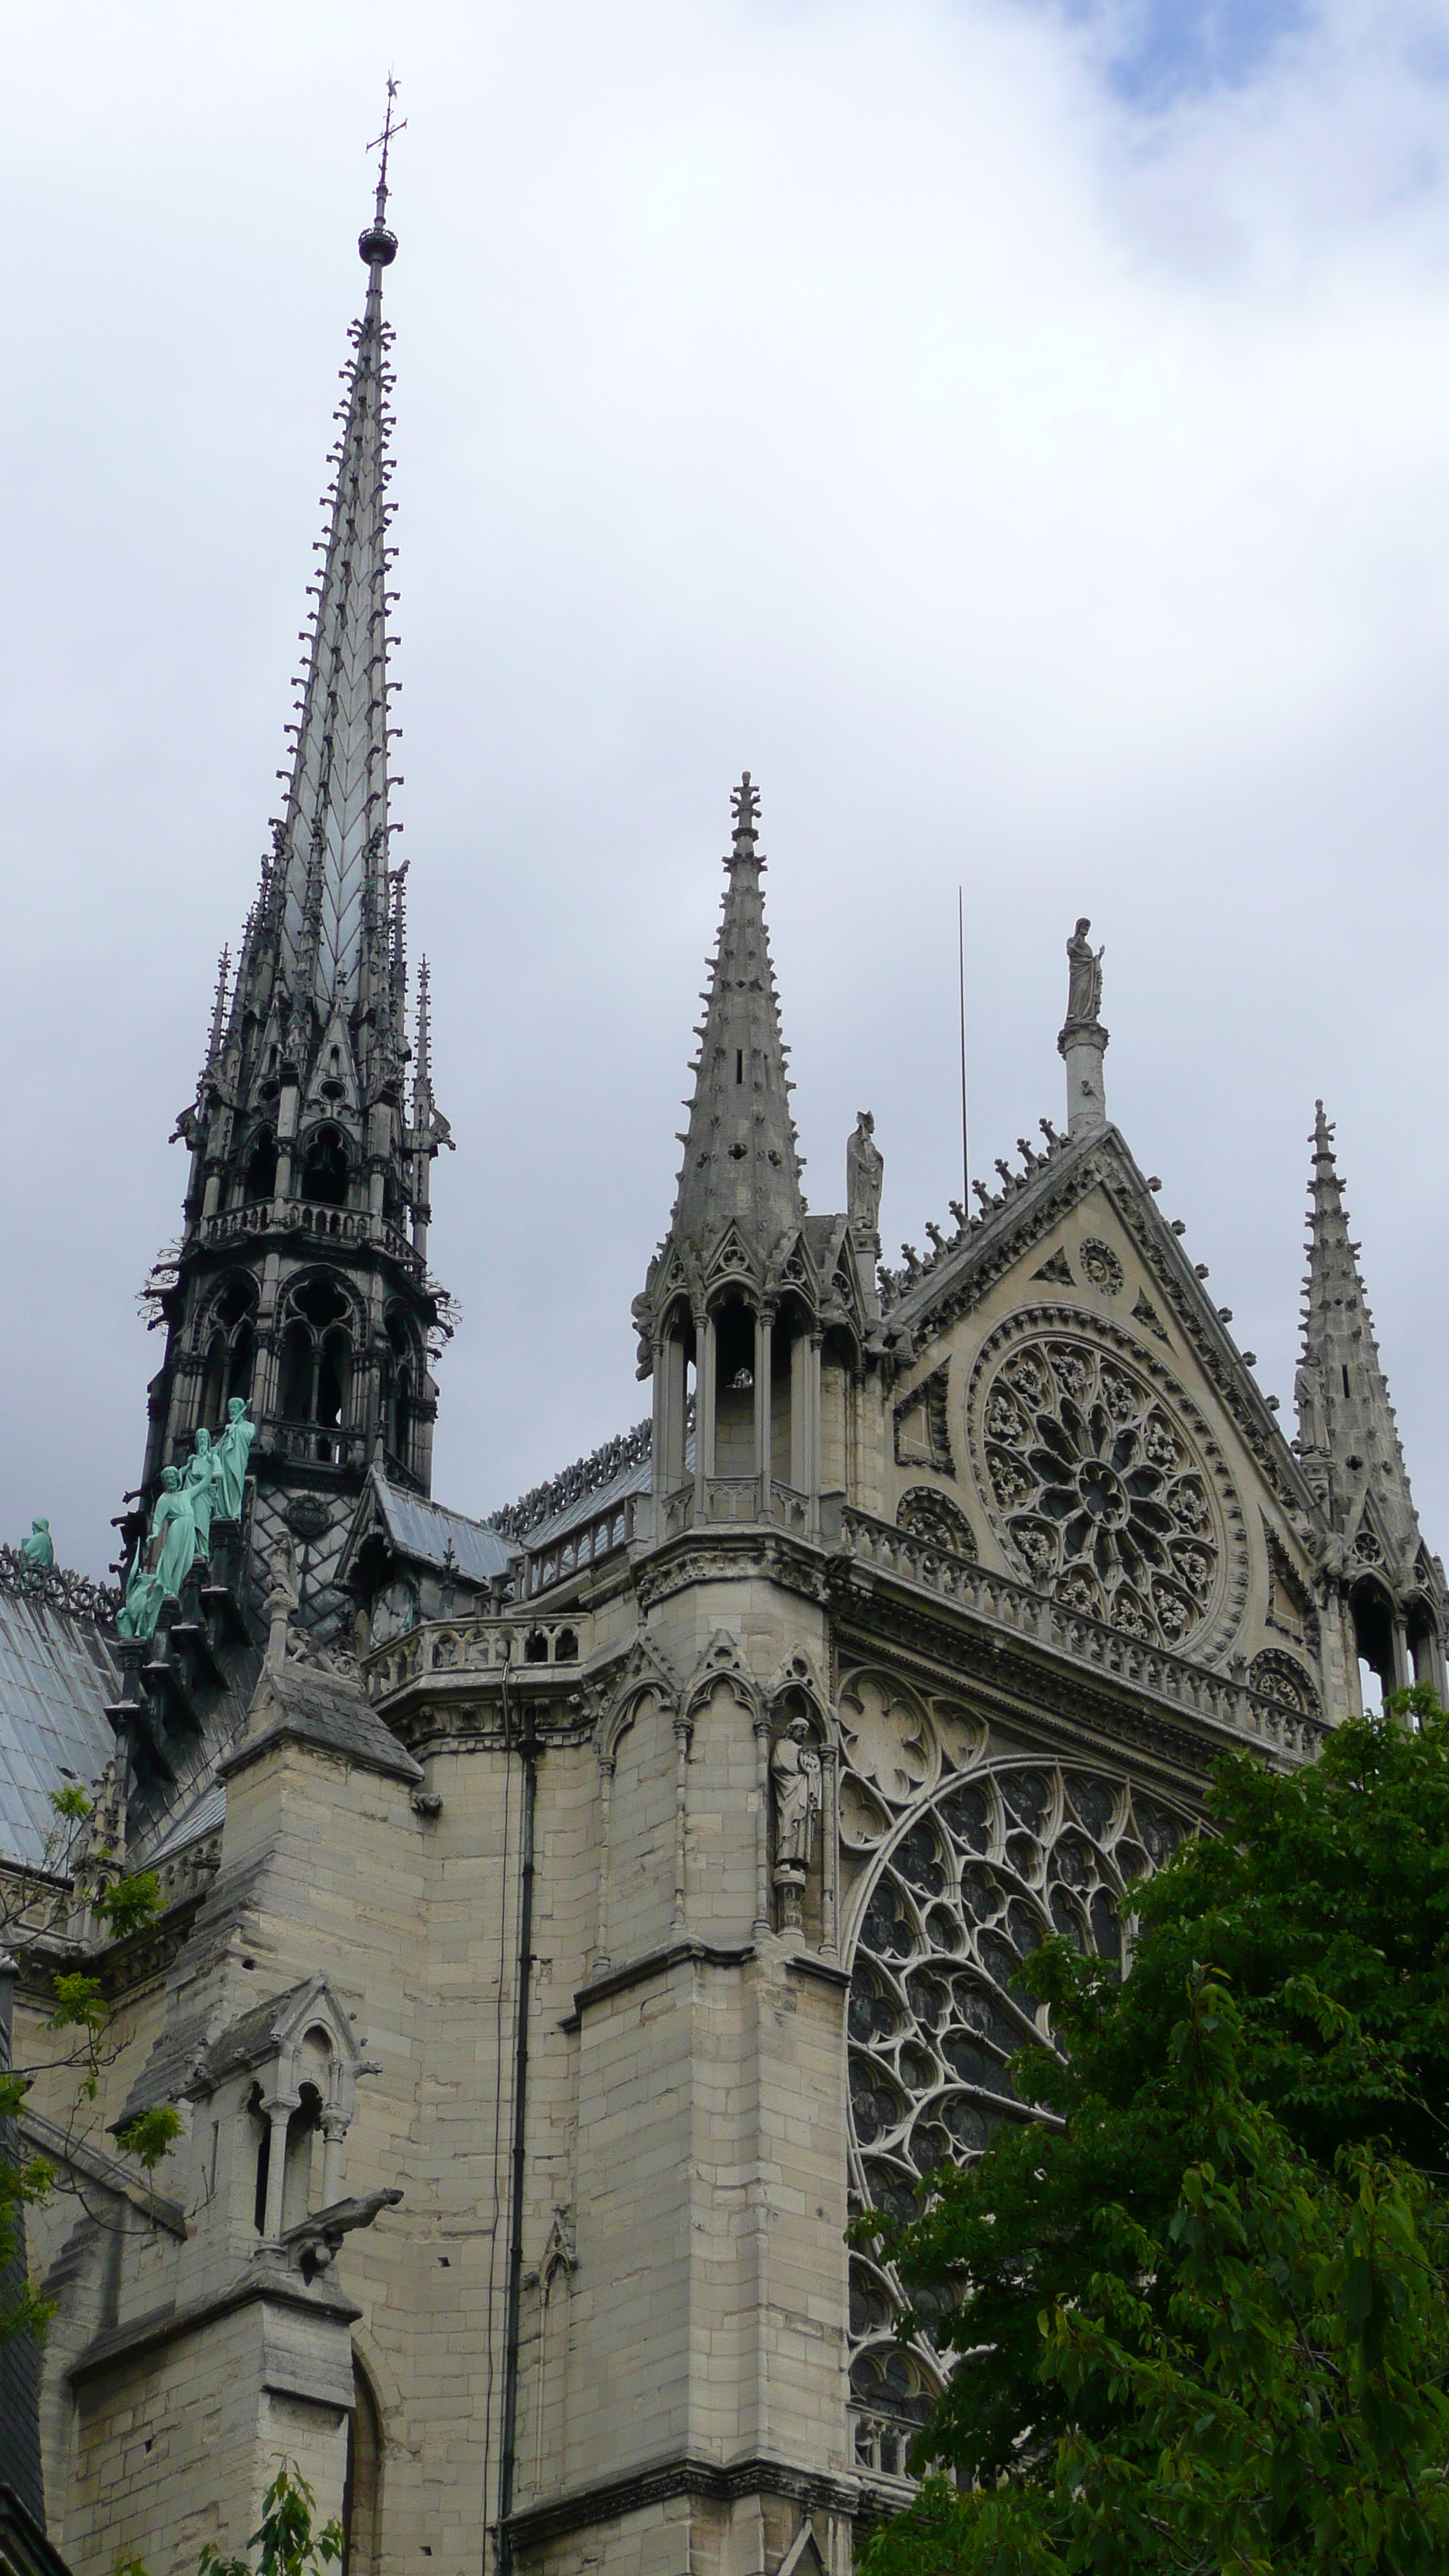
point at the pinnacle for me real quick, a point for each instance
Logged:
(741, 1166)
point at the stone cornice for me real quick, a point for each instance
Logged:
(658, 2482)
(657, 1963)
(163, 2325)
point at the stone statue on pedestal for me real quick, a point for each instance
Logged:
(1084, 986)
(864, 1174)
(795, 1771)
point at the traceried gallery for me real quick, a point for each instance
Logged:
(569, 1920)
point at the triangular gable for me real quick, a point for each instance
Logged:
(1174, 1308)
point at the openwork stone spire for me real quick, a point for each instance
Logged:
(741, 1167)
(1347, 1435)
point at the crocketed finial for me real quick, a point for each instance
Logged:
(745, 806)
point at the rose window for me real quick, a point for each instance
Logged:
(1102, 1495)
(972, 1881)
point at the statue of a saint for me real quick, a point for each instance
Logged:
(1084, 986)
(864, 1173)
(1308, 1397)
(795, 1772)
(173, 1535)
(199, 1482)
(231, 1453)
(37, 1553)
(141, 1608)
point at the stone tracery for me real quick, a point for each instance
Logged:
(975, 1874)
(1099, 1488)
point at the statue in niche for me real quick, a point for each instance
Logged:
(232, 1451)
(37, 1553)
(200, 1482)
(864, 1174)
(1084, 986)
(795, 1772)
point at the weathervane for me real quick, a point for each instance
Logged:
(378, 246)
(380, 143)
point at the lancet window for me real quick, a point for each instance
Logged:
(317, 1355)
(229, 1340)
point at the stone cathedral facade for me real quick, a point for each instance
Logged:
(569, 1920)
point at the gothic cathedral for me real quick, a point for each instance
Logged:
(570, 1919)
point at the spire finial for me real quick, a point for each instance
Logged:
(378, 246)
(745, 806)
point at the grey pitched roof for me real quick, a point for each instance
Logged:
(208, 1812)
(311, 1705)
(56, 1676)
(425, 1531)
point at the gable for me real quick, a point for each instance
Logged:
(1083, 1405)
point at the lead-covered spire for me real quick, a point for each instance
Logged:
(741, 1167)
(327, 890)
(300, 1285)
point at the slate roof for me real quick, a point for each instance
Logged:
(423, 1530)
(56, 1676)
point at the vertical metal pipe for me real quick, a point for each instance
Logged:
(529, 1749)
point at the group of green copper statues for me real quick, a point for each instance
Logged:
(209, 1486)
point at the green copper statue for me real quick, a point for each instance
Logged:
(231, 1453)
(172, 1523)
(139, 1611)
(200, 1484)
(37, 1552)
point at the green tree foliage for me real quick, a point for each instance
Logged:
(1200, 2314)
(80, 2017)
(284, 2536)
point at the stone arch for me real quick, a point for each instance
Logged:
(931, 1515)
(363, 2483)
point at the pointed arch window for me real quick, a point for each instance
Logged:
(315, 1384)
(259, 1172)
(326, 1168)
(230, 1346)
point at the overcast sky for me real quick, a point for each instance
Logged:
(1018, 433)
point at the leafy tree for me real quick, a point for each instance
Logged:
(284, 2536)
(80, 2017)
(1199, 2314)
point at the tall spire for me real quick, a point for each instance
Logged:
(741, 1166)
(301, 1285)
(1347, 1435)
(325, 885)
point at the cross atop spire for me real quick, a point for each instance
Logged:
(377, 245)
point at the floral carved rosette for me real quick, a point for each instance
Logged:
(976, 1875)
(1105, 1484)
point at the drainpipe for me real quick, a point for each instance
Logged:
(530, 1748)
